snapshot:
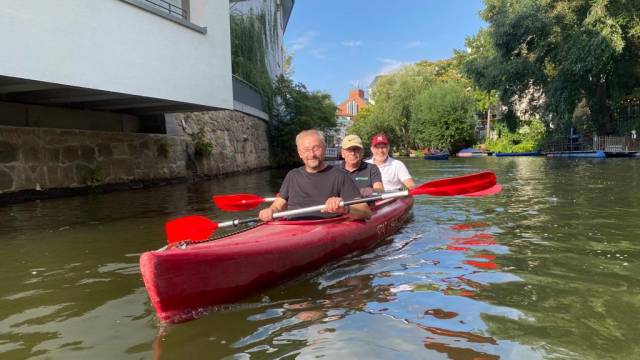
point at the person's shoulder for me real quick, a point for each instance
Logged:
(335, 169)
(296, 171)
(394, 161)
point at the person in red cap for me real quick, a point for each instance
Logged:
(394, 173)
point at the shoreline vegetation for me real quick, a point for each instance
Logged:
(508, 91)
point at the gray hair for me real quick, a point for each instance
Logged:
(313, 132)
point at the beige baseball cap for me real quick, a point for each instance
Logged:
(351, 140)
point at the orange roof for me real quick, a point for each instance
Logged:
(355, 95)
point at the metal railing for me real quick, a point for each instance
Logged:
(332, 153)
(616, 143)
(173, 10)
(246, 93)
(582, 144)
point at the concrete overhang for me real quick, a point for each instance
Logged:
(27, 91)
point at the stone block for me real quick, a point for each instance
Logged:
(88, 154)
(119, 150)
(122, 169)
(8, 152)
(70, 153)
(104, 151)
(6, 180)
(54, 180)
(85, 174)
(32, 154)
(51, 155)
(68, 175)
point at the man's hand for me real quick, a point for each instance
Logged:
(333, 206)
(279, 204)
(266, 215)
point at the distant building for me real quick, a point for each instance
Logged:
(344, 115)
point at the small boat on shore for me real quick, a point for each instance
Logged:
(526, 153)
(471, 152)
(187, 279)
(437, 156)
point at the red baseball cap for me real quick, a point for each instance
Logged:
(379, 139)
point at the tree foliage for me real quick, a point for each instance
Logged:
(443, 116)
(528, 137)
(395, 96)
(249, 53)
(571, 50)
(297, 109)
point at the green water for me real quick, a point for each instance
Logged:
(547, 269)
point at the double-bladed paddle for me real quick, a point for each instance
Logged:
(239, 202)
(199, 228)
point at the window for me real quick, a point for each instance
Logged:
(352, 108)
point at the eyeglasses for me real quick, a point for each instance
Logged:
(315, 149)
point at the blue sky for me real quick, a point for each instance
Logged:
(337, 44)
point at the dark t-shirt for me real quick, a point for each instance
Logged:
(365, 175)
(303, 189)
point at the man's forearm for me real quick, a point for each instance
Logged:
(359, 211)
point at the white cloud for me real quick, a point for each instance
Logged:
(388, 66)
(391, 65)
(320, 53)
(302, 41)
(414, 44)
(352, 43)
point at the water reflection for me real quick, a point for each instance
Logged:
(547, 269)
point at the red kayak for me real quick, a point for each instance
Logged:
(184, 280)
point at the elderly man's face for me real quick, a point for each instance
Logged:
(311, 150)
(352, 155)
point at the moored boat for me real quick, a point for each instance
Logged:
(437, 156)
(471, 152)
(578, 154)
(526, 153)
(185, 279)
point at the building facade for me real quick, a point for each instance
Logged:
(115, 91)
(345, 113)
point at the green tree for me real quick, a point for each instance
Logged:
(444, 116)
(249, 53)
(366, 125)
(572, 50)
(394, 96)
(296, 109)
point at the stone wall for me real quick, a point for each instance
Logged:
(34, 159)
(239, 141)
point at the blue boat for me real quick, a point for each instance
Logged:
(471, 152)
(526, 153)
(578, 154)
(437, 156)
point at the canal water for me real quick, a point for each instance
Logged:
(549, 268)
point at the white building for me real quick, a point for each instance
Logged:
(131, 57)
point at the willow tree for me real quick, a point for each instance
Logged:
(444, 116)
(571, 50)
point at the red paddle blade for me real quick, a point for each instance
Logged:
(193, 227)
(490, 191)
(237, 202)
(460, 185)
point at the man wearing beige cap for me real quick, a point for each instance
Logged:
(366, 176)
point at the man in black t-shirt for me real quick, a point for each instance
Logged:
(367, 176)
(316, 183)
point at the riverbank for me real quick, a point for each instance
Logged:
(38, 163)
